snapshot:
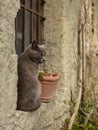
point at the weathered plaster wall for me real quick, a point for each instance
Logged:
(96, 13)
(96, 24)
(8, 59)
(94, 60)
(61, 28)
(95, 65)
(61, 42)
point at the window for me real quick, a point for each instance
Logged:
(29, 24)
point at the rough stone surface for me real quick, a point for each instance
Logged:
(61, 42)
(94, 59)
(8, 59)
(61, 28)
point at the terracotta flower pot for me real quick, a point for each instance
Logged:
(49, 84)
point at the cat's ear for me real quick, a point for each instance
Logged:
(34, 45)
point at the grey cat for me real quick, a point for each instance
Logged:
(29, 87)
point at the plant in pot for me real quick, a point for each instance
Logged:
(49, 84)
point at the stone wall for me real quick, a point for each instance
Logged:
(94, 59)
(61, 41)
(61, 28)
(95, 43)
(8, 59)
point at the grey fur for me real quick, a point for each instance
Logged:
(29, 87)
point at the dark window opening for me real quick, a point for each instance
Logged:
(29, 24)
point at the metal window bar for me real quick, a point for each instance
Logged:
(23, 32)
(39, 16)
(38, 22)
(31, 24)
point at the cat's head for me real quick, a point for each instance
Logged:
(36, 52)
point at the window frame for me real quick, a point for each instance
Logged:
(40, 19)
